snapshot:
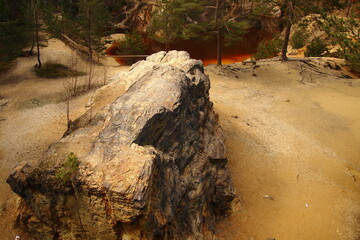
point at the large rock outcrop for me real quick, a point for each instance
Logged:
(151, 165)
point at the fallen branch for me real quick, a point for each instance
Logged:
(278, 60)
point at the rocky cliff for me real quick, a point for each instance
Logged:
(151, 165)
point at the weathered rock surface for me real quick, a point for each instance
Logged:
(152, 165)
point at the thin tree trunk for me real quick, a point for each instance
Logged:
(290, 13)
(219, 48)
(32, 47)
(90, 74)
(105, 75)
(90, 50)
(218, 30)
(167, 30)
(286, 42)
(68, 109)
(37, 36)
(349, 8)
(75, 62)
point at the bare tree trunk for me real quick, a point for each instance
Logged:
(90, 50)
(290, 13)
(68, 109)
(90, 74)
(71, 84)
(75, 67)
(37, 36)
(105, 74)
(32, 47)
(286, 42)
(349, 8)
(219, 48)
(218, 31)
(167, 30)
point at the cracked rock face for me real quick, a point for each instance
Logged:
(152, 165)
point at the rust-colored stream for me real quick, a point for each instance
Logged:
(205, 51)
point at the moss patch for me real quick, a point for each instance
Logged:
(56, 70)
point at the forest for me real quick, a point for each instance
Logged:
(88, 22)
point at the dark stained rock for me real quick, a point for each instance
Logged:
(152, 165)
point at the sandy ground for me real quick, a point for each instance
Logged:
(294, 149)
(27, 129)
(293, 142)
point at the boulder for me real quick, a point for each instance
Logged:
(151, 165)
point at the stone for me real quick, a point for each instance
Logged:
(152, 164)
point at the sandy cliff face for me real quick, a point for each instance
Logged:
(135, 15)
(152, 165)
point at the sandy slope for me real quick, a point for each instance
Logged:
(294, 152)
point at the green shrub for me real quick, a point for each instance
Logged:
(354, 60)
(13, 38)
(346, 33)
(35, 102)
(268, 49)
(299, 38)
(132, 44)
(67, 171)
(56, 70)
(317, 48)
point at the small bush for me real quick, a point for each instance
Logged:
(4, 66)
(131, 45)
(317, 48)
(35, 102)
(56, 70)
(346, 33)
(268, 49)
(299, 38)
(68, 169)
(354, 60)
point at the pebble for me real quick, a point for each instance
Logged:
(268, 197)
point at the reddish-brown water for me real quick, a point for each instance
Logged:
(205, 51)
(227, 59)
(112, 50)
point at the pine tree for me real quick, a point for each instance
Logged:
(34, 13)
(220, 26)
(297, 9)
(293, 11)
(35, 7)
(166, 23)
(346, 33)
(93, 19)
(13, 31)
(4, 11)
